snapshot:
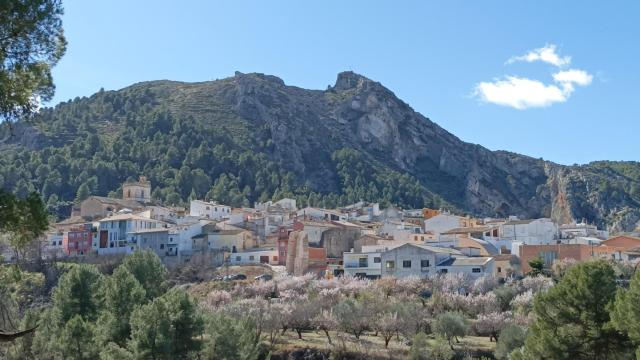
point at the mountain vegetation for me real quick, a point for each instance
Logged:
(252, 138)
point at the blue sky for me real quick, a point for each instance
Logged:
(438, 57)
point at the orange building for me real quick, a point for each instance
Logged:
(578, 252)
(429, 213)
(623, 241)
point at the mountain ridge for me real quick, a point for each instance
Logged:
(304, 132)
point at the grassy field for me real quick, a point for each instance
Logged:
(367, 347)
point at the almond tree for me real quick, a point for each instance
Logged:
(491, 324)
(326, 322)
(388, 325)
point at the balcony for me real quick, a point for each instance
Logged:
(356, 266)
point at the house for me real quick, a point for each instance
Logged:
(578, 252)
(429, 213)
(362, 211)
(139, 191)
(472, 266)
(437, 223)
(530, 232)
(167, 214)
(568, 231)
(415, 260)
(624, 241)
(314, 229)
(229, 240)
(506, 265)
(155, 239)
(78, 240)
(338, 239)
(632, 254)
(456, 236)
(363, 264)
(399, 230)
(286, 204)
(321, 214)
(98, 206)
(255, 256)
(180, 236)
(475, 247)
(209, 210)
(113, 232)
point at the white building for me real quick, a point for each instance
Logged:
(254, 256)
(444, 222)
(209, 210)
(399, 230)
(472, 266)
(364, 264)
(531, 232)
(113, 232)
(412, 260)
(286, 204)
(321, 214)
(568, 231)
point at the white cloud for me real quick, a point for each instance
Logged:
(520, 93)
(545, 54)
(523, 93)
(579, 77)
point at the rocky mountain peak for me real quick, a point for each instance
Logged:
(348, 80)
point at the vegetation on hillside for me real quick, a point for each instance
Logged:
(114, 136)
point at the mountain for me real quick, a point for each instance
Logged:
(251, 137)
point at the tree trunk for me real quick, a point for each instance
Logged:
(299, 334)
(326, 332)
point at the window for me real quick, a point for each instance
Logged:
(424, 263)
(499, 269)
(161, 246)
(275, 258)
(406, 264)
(208, 208)
(251, 257)
(376, 259)
(444, 271)
(548, 257)
(238, 258)
(476, 270)
(390, 264)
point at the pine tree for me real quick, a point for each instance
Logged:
(572, 318)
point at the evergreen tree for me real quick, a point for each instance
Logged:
(83, 193)
(78, 293)
(167, 328)
(626, 311)
(122, 294)
(572, 319)
(148, 269)
(77, 340)
(32, 42)
(229, 339)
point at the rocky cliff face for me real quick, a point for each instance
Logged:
(306, 126)
(301, 129)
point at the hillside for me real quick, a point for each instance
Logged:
(250, 137)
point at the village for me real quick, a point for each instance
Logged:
(360, 240)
